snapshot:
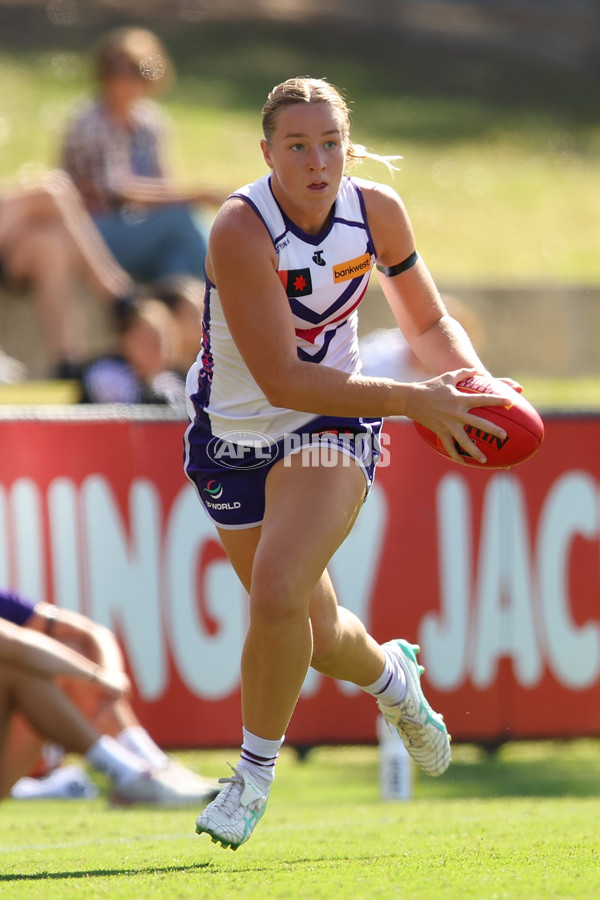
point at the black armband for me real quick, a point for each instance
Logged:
(407, 263)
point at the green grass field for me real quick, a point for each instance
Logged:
(522, 823)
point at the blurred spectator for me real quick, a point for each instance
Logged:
(62, 680)
(144, 367)
(386, 353)
(12, 371)
(49, 243)
(115, 152)
(185, 299)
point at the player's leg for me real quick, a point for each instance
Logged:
(309, 511)
(344, 650)
(48, 712)
(342, 647)
(310, 508)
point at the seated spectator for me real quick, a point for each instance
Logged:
(65, 676)
(12, 371)
(49, 243)
(143, 368)
(115, 152)
(185, 299)
(386, 353)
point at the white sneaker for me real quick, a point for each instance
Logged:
(233, 816)
(422, 730)
(66, 782)
(189, 780)
(161, 788)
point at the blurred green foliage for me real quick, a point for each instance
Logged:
(500, 154)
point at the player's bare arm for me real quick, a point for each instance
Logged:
(437, 339)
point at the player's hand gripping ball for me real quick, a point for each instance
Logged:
(522, 423)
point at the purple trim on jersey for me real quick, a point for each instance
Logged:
(15, 608)
(312, 239)
(320, 355)
(205, 374)
(253, 206)
(310, 315)
(290, 225)
(363, 209)
(316, 239)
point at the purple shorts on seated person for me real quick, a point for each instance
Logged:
(15, 608)
(230, 472)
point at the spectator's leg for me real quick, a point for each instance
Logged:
(50, 713)
(56, 201)
(45, 260)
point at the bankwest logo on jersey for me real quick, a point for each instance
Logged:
(297, 282)
(353, 268)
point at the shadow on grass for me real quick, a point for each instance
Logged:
(103, 873)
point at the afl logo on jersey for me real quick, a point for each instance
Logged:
(353, 268)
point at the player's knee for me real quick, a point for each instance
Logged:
(277, 598)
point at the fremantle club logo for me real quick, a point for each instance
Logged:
(242, 449)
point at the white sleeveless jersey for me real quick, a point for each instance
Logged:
(325, 277)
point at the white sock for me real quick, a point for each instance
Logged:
(121, 766)
(138, 741)
(259, 756)
(390, 687)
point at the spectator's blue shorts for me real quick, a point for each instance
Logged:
(154, 243)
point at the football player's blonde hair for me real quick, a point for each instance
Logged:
(316, 90)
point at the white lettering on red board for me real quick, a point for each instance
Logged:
(136, 580)
(504, 592)
(518, 605)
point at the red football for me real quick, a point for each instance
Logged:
(521, 421)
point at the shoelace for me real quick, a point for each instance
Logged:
(414, 733)
(226, 800)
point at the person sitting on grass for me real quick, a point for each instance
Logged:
(62, 680)
(50, 245)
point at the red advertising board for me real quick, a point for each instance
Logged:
(495, 575)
